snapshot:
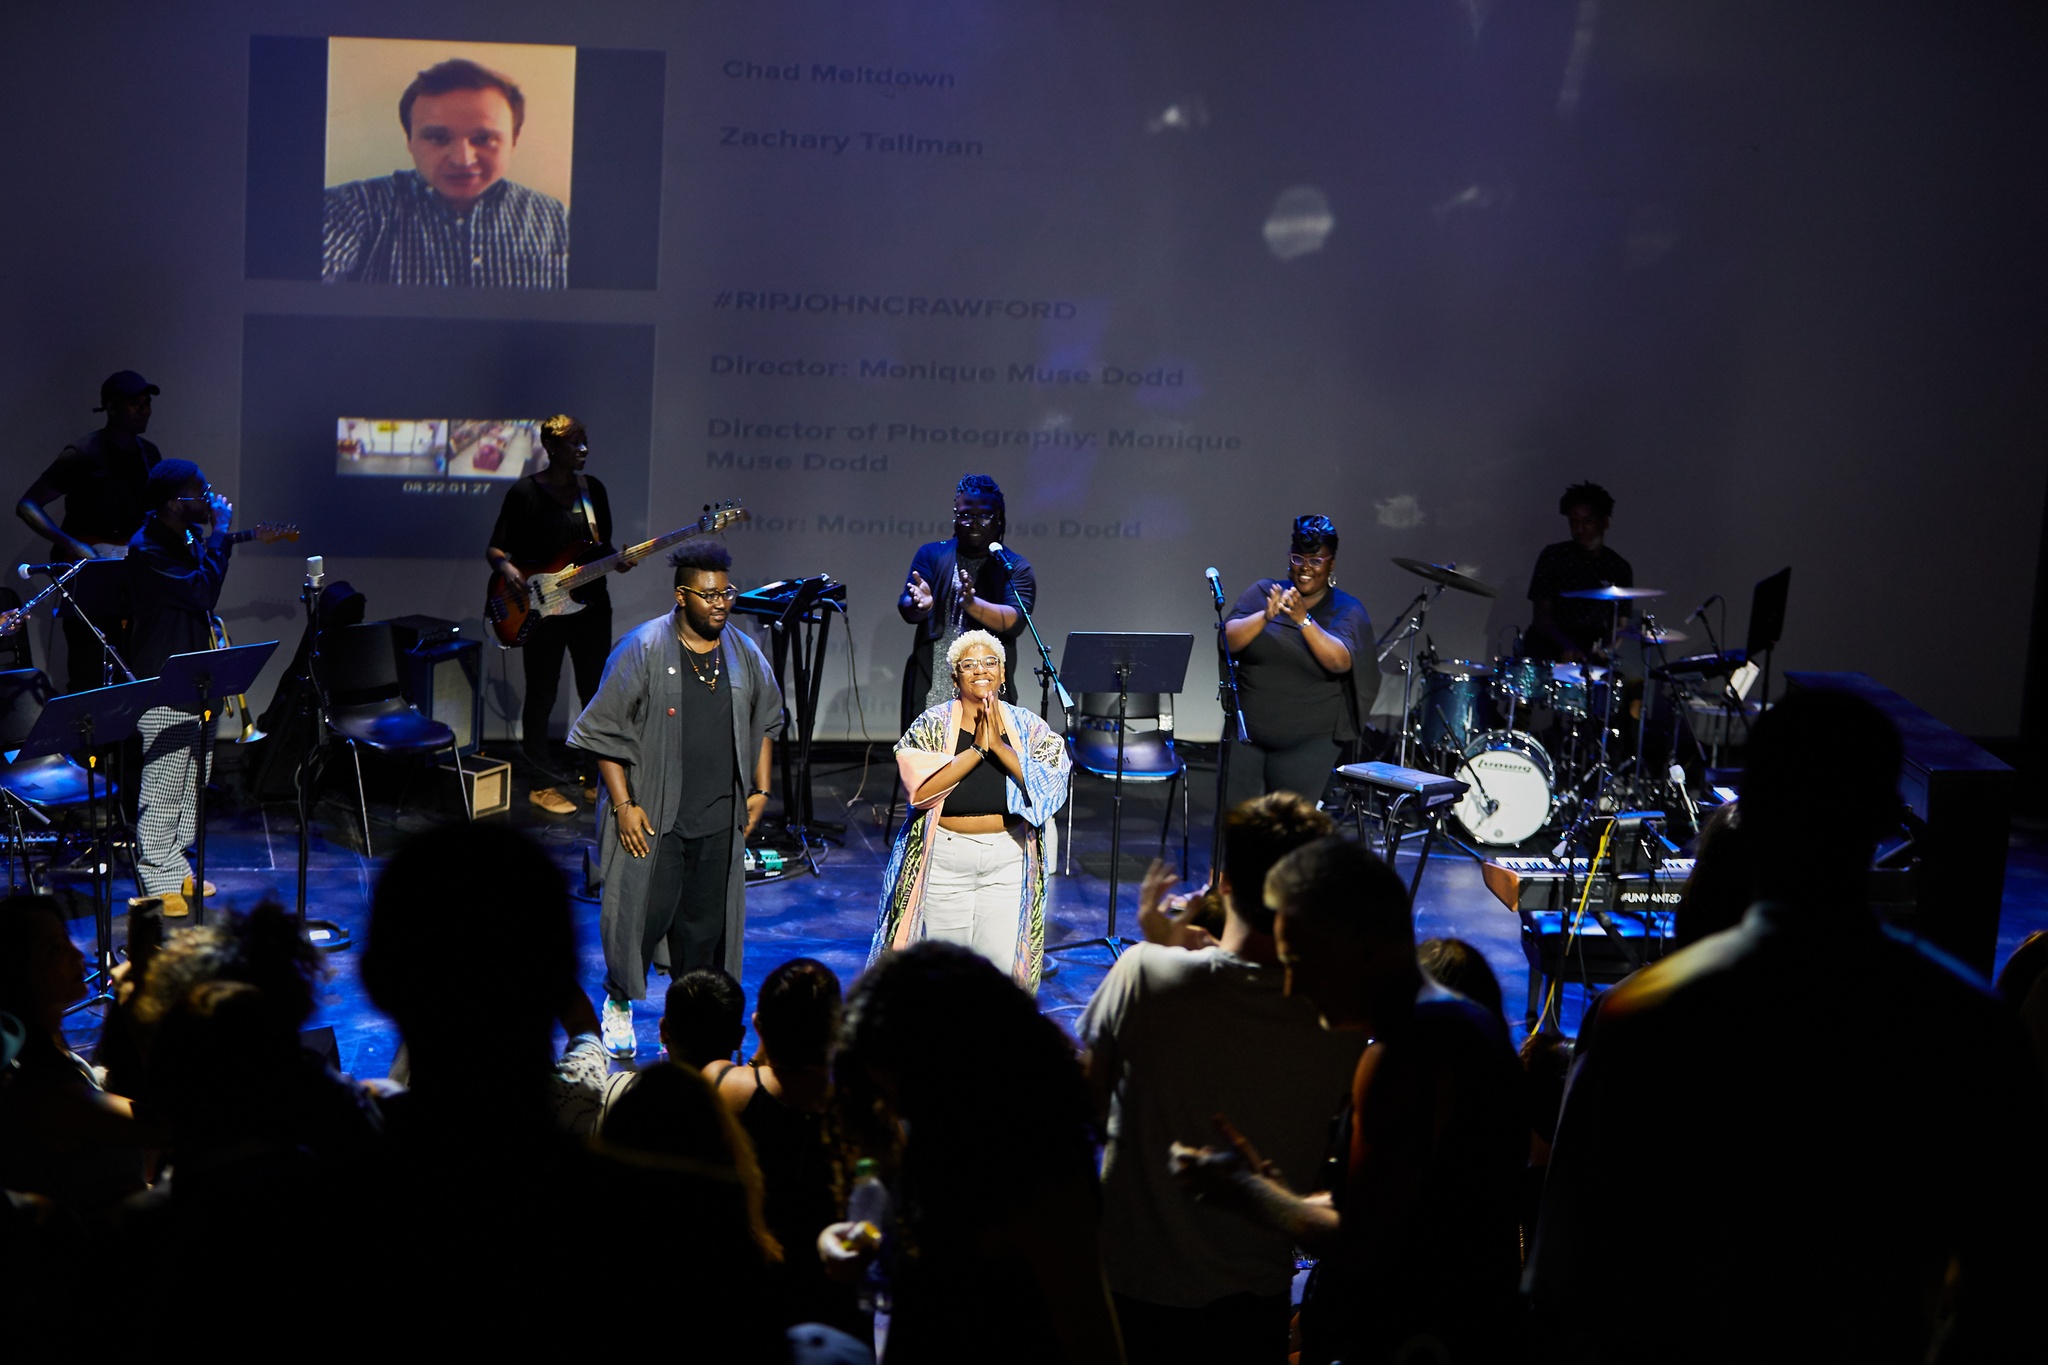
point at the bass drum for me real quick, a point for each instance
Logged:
(1510, 797)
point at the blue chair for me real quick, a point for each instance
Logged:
(366, 706)
(52, 784)
(1149, 755)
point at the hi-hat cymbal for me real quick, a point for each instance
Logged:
(1655, 635)
(1610, 593)
(1450, 575)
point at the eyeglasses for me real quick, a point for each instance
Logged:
(1311, 561)
(980, 665)
(976, 518)
(725, 595)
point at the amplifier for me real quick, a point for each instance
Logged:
(444, 680)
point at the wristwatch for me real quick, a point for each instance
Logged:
(754, 792)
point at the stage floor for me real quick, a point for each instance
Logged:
(252, 853)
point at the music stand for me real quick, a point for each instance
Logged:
(1767, 624)
(1123, 663)
(203, 677)
(81, 722)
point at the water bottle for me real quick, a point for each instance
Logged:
(870, 1205)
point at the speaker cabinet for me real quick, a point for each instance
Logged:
(444, 680)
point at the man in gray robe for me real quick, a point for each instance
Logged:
(680, 728)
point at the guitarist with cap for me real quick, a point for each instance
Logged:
(546, 515)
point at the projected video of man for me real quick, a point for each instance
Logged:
(457, 217)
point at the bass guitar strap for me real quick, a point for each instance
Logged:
(589, 516)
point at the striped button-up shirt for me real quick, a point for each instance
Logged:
(397, 230)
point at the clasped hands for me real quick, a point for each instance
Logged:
(1286, 602)
(984, 726)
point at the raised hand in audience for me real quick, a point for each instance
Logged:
(1163, 918)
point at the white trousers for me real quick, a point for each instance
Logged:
(974, 892)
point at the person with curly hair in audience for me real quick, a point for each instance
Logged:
(975, 1109)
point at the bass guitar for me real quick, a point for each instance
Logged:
(551, 587)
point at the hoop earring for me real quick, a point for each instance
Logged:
(1331, 580)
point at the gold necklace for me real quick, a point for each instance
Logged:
(717, 652)
(716, 664)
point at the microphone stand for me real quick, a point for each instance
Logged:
(111, 662)
(311, 766)
(1408, 628)
(1048, 675)
(1234, 734)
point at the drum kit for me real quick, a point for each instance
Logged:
(1538, 743)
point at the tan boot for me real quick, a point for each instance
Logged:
(211, 889)
(551, 801)
(172, 907)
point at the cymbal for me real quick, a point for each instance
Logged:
(1610, 593)
(1450, 575)
(1655, 635)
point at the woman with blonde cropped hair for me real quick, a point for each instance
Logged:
(984, 779)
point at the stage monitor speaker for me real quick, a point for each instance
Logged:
(444, 680)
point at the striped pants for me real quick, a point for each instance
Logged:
(164, 806)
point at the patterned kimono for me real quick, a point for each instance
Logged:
(926, 747)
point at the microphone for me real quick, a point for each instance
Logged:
(28, 571)
(316, 570)
(1003, 556)
(1215, 583)
(1701, 611)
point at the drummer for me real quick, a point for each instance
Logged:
(1569, 629)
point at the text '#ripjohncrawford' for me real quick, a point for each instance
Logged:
(838, 144)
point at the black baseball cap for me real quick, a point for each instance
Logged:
(124, 384)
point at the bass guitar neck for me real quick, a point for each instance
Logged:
(550, 588)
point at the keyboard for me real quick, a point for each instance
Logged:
(1434, 788)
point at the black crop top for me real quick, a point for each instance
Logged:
(981, 791)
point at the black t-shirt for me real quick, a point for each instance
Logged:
(981, 791)
(709, 769)
(534, 529)
(104, 487)
(1288, 696)
(1564, 567)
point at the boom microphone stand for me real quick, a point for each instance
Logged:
(1234, 732)
(1048, 674)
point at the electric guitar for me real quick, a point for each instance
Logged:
(268, 532)
(550, 587)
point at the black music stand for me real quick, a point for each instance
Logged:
(203, 677)
(82, 722)
(1767, 625)
(1123, 663)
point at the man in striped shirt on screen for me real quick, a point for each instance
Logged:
(454, 219)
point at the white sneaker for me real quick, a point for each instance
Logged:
(618, 1027)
